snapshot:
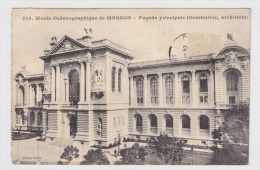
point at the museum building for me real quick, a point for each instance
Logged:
(93, 92)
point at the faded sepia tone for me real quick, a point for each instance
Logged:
(119, 79)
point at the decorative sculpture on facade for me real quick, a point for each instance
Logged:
(99, 78)
(47, 82)
(99, 127)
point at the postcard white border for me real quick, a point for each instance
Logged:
(5, 71)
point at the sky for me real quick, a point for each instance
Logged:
(147, 39)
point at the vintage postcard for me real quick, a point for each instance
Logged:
(130, 86)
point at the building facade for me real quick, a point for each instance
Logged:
(93, 92)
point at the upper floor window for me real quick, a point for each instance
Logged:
(185, 85)
(168, 85)
(169, 90)
(119, 80)
(203, 83)
(232, 81)
(203, 88)
(154, 90)
(139, 91)
(113, 79)
(74, 87)
(185, 89)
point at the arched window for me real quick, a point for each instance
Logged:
(169, 90)
(153, 123)
(32, 118)
(139, 122)
(186, 121)
(185, 89)
(119, 80)
(169, 124)
(169, 121)
(39, 119)
(74, 87)
(153, 120)
(232, 81)
(154, 90)
(113, 79)
(139, 91)
(204, 122)
(203, 88)
(21, 96)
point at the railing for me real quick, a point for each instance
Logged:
(186, 131)
(34, 128)
(169, 131)
(153, 130)
(139, 129)
(74, 100)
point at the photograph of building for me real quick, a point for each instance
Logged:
(92, 92)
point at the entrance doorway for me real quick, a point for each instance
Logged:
(73, 125)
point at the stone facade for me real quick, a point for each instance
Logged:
(92, 92)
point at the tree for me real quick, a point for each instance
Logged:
(95, 157)
(69, 153)
(232, 139)
(132, 156)
(168, 149)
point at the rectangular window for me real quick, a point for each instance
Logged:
(152, 99)
(232, 100)
(203, 99)
(171, 99)
(185, 99)
(139, 100)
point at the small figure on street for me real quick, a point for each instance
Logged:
(191, 147)
(115, 152)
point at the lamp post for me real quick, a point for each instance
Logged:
(119, 143)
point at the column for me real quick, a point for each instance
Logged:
(58, 83)
(160, 89)
(145, 90)
(212, 88)
(30, 95)
(88, 82)
(66, 90)
(27, 94)
(33, 96)
(44, 123)
(82, 81)
(176, 88)
(131, 90)
(38, 93)
(17, 94)
(194, 89)
(53, 93)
